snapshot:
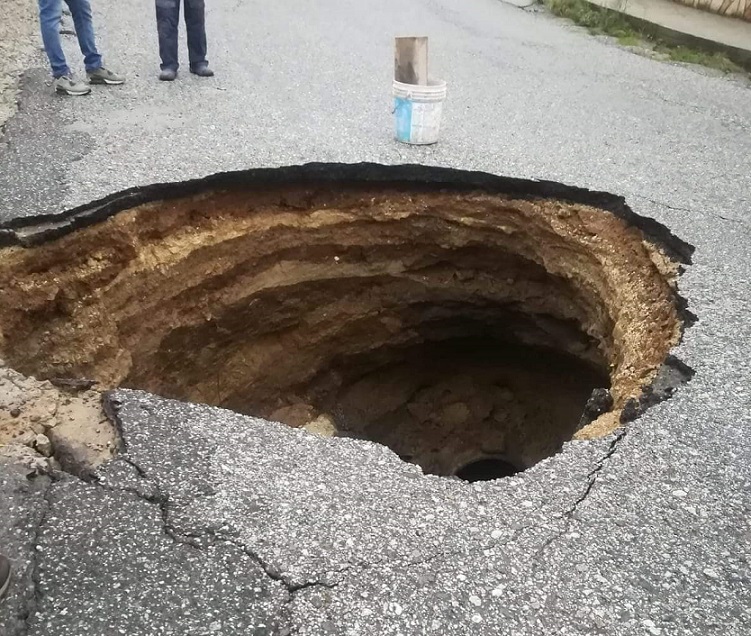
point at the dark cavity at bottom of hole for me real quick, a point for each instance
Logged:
(486, 470)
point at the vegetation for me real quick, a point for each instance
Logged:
(692, 56)
(628, 33)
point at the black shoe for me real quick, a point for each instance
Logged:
(4, 574)
(168, 74)
(202, 71)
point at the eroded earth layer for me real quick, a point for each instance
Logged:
(454, 324)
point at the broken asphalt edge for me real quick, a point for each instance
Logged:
(27, 231)
(154, 494)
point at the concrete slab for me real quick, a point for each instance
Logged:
(689, 25)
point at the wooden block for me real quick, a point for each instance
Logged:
(411, 60)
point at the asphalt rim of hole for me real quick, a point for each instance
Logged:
(43, 230)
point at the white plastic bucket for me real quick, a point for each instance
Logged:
(417, 111)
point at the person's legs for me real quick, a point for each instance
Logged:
(50, 14)
(167, 18)
(4, 575)
(195, 24)
(81, 12)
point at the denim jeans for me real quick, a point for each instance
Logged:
(167, 20)
(50, 14)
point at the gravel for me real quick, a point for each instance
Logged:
(529, 96)
(18, 37)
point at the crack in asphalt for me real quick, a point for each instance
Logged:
(35, 597)
(111, 408)
(286, 626)
(571, 511)
(209, 537)
(690, 211)
(149, 489)
(206, 537)
(592, 476)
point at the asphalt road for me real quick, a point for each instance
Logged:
(216, 523)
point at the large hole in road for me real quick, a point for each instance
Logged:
(462, 321)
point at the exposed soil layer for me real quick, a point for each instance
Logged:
(45, 426)
(449, 324)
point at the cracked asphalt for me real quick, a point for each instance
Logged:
(214, 523)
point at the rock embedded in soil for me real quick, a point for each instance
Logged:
(33, 462)
(43, 445)
(50, 420)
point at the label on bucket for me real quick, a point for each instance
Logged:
(417, 122)
(403, 112)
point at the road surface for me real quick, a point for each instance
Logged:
(213, 523)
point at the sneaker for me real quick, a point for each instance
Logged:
(68, 85)
(202, 71)
(103, 76)
(4, 574)
(167, 74)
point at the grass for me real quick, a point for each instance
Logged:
(630, 40)
(605, 22)
(692, 56)
(597, 20)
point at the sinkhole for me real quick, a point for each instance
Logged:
(470, 323)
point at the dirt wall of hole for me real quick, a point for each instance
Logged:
(243, 297)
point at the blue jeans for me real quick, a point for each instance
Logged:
(50, 14)
(167, 19)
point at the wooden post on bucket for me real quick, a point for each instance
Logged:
(411, 60)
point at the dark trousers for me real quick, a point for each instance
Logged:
(167, 20)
